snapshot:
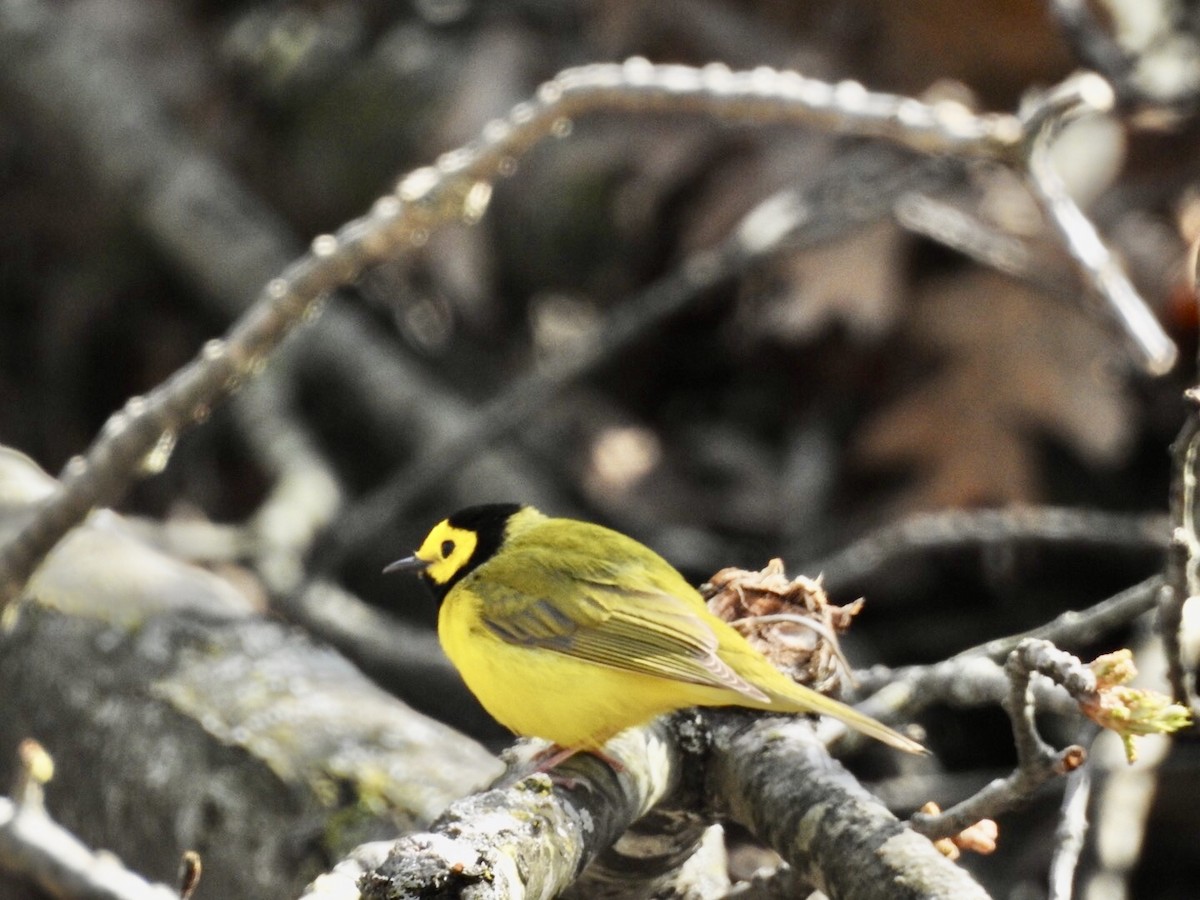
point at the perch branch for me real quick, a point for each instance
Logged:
(533, 838)
(772, 776)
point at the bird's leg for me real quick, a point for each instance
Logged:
(556, 754)
(551, 757)
(546, 760)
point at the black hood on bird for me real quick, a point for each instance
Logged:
(489, 521)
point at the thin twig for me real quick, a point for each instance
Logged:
(1182, 582)
(1078, 628)
(1094, 44)
(190, 869)
(1140, 42)
(1068, 837)
(973, 676)
(459, 187)
(969, 235)
(953, 529)
(789, 219)
(36, 849)
(1037, 762)
(1044, 120)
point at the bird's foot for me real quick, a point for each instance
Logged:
(547, 760)
(555, 755)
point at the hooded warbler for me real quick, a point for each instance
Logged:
(573, 632)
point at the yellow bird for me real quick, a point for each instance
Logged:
(573, 632)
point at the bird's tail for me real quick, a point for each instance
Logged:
(798, 698)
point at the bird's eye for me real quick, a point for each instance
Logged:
(447, 548)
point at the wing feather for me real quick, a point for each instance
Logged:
(647, 631)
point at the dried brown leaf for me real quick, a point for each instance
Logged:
(804, 644)
(1016, 364)
(856, 281)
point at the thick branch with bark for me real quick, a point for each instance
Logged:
(771, 775)
(179, 720)
(533, 838)
(774, 777)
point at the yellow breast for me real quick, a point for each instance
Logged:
(541, 693)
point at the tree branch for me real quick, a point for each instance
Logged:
(459, 186)
(35, 848)
(772, 776)
(533, 838)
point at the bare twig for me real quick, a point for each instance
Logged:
(808, 815)
(1094, 44)
(190, 870)
(1079, 95)
(34, 769)
(1037, 762)
(1072, 827)
(1182, 583)
(951, 529)
(974, 677)
(459, 187)
(1146, 51)
(34, 848)
(788, 219)
(1099, 689)
(969, 235)
(537, 835)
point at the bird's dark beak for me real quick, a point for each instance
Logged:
(408, 564)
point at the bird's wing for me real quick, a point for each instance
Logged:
(645, 631)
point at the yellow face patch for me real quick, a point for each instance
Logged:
(447, 549)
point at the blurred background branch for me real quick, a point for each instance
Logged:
(739, 310)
